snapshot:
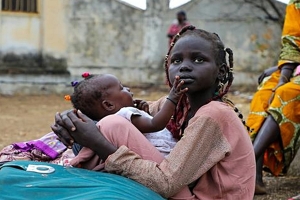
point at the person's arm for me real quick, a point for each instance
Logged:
(160, 120)
(192, 156)
(286, 71)
(266, 73)
(155, 106)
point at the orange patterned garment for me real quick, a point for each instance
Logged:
(285, 107)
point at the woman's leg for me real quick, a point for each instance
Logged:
(259, 186)
(268, 133)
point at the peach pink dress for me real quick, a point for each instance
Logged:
(215, 157)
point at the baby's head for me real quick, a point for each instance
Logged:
(100, 95)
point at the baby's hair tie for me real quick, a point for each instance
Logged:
(67, 97)
(85, 74)
(74, 83)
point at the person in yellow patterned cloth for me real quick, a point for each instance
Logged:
(275, 109)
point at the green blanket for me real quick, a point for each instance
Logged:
(38, 180)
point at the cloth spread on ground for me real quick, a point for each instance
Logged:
(46, 148)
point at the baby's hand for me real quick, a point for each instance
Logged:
(142, 105)
(176, 91)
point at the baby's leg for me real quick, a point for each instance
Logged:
(120, 131)
(87, 159)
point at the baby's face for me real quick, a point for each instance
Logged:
(116, 92)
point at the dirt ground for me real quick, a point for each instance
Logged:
(29, 117)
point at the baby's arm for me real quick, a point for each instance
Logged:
(160, 120)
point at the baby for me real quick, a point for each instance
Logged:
(100, 95)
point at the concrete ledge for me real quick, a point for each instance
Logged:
(34, 84)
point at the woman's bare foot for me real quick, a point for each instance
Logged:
(260, 188)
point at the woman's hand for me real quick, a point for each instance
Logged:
(286, 72)
(73, 126)
(61, 128)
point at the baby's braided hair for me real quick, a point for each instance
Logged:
(224, 82)
(85, 95)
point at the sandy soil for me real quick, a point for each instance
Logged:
(29, 117)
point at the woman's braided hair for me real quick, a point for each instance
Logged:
(225, 82)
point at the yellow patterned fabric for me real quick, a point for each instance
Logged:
(285, 107)
(291, 34)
